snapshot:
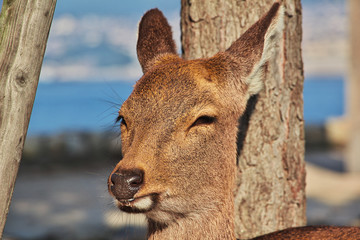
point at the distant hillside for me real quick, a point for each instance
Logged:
(325, 37)
(88, 42)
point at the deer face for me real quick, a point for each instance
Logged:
(179, 125)
(173, 158)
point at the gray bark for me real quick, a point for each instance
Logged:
(24, 29)
(270, 191)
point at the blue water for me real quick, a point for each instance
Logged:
(323, 98)
(93, 106)
(77, 106)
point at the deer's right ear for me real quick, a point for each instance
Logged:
(255, 47)
(155, 38)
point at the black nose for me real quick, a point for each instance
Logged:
(126, 183)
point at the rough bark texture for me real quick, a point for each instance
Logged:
(270, 191)
(24, 29)
(353, 88)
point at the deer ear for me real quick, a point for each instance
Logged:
(154, 39)
(254, 48)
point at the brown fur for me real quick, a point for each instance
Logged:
(154, 32)
(179, 127)
(314, 233)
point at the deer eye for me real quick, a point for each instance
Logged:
(203, 120)
(121, 120)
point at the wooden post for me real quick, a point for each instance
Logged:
(270, 192)
(353, 89)
(24, 30)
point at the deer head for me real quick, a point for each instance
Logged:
(179, 127)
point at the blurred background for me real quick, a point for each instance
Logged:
(89, 69)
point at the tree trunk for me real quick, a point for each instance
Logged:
(270, 191)
(24, 29)
(353, 88)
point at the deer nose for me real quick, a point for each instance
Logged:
(126, 183)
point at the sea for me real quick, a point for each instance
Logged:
(93, 106)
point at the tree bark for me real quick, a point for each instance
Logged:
(353, 88)
(270, 191)
(24, 29)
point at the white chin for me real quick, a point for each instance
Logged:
(137, 205)
(143, 204)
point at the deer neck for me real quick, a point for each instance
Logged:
(211, 225)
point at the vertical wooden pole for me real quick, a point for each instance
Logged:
(353, 89)
(24, 30)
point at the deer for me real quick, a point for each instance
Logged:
(178, 134)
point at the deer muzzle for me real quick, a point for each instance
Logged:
(124, 184)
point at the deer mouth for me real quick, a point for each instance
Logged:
(141, 204)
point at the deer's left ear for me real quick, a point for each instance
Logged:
(155, 38)
(252, 50)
